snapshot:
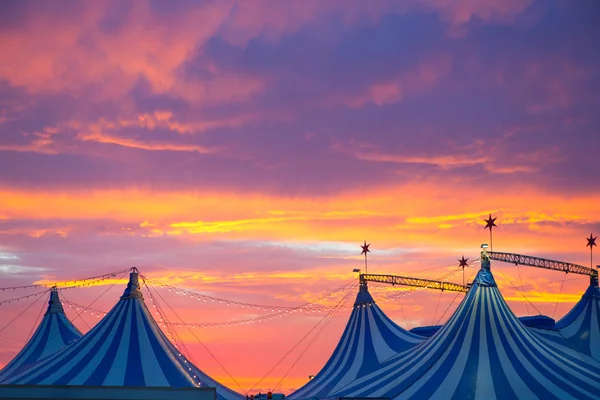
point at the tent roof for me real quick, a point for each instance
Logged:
(581, 325)
(369, 338)
(126, 348)
(483, 351)
(54, 333)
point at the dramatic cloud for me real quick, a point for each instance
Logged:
(245, 149)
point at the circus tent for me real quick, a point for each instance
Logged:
(53, 334)
(483, 351)
(126, 348)
(581, 326)
(369, 338)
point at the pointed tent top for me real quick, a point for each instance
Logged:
(593, 291)
(594, 281)
(484, 276)
(54, 304)
(133, 286)
(461, 359)
(363, 296)
(54, 333)
(370, 338)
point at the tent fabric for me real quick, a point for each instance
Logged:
(482, 352)
(54, 333)
(125, 348)
(533, 321)
(369, 338)
(581, 326)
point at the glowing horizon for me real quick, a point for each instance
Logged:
(246, 150)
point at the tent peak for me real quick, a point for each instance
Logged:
(54, 303)
(132, 291)
(363, 296)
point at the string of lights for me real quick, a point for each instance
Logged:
(67, 284)
(246, 321)
(264, 307)
(16, 299)
(174, 336)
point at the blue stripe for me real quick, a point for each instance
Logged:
(172, 373)
(134, 375)
(98, 376)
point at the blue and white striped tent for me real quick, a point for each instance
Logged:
(126, 348)
(369, 339)
(53, 334)
(581, 326)
(483, 352)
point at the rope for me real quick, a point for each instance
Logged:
(521, 281)
(436, 307)
(57, 283)
(292, 349)
(330, 318)
(22, 297)
(199, 341)
(98, 298)
(404, 315)
(447, 308)
(67, 301)
(453, 300)
(559, 293)
(522, 294)
(22, 312)
(35, 322)
(250, 305)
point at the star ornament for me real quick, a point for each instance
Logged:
(463, 262)
(490, 222)
(591, 241)
(365, 248)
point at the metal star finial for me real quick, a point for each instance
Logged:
(463, 262)
(365, 248)
(490, 222)
(591, 241)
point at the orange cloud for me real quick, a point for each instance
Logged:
(136, 144)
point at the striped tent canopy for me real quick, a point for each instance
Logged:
(126, 348)
(53, 334)
(532, 321)
(483, 352)
(369, 339)
(581, 326)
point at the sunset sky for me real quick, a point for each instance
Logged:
(246, 149)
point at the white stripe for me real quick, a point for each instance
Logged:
(398, 330)
(422, 352)
(448, 386)
(357, 362)
(533, 371)
(485, 383)
(153, 373)
(558, 360)
(116, 374)
(329, 374)
(78, 350)
(26, 351)
(91, 366)
(517, 385)
(573, 328)
(382, 350)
